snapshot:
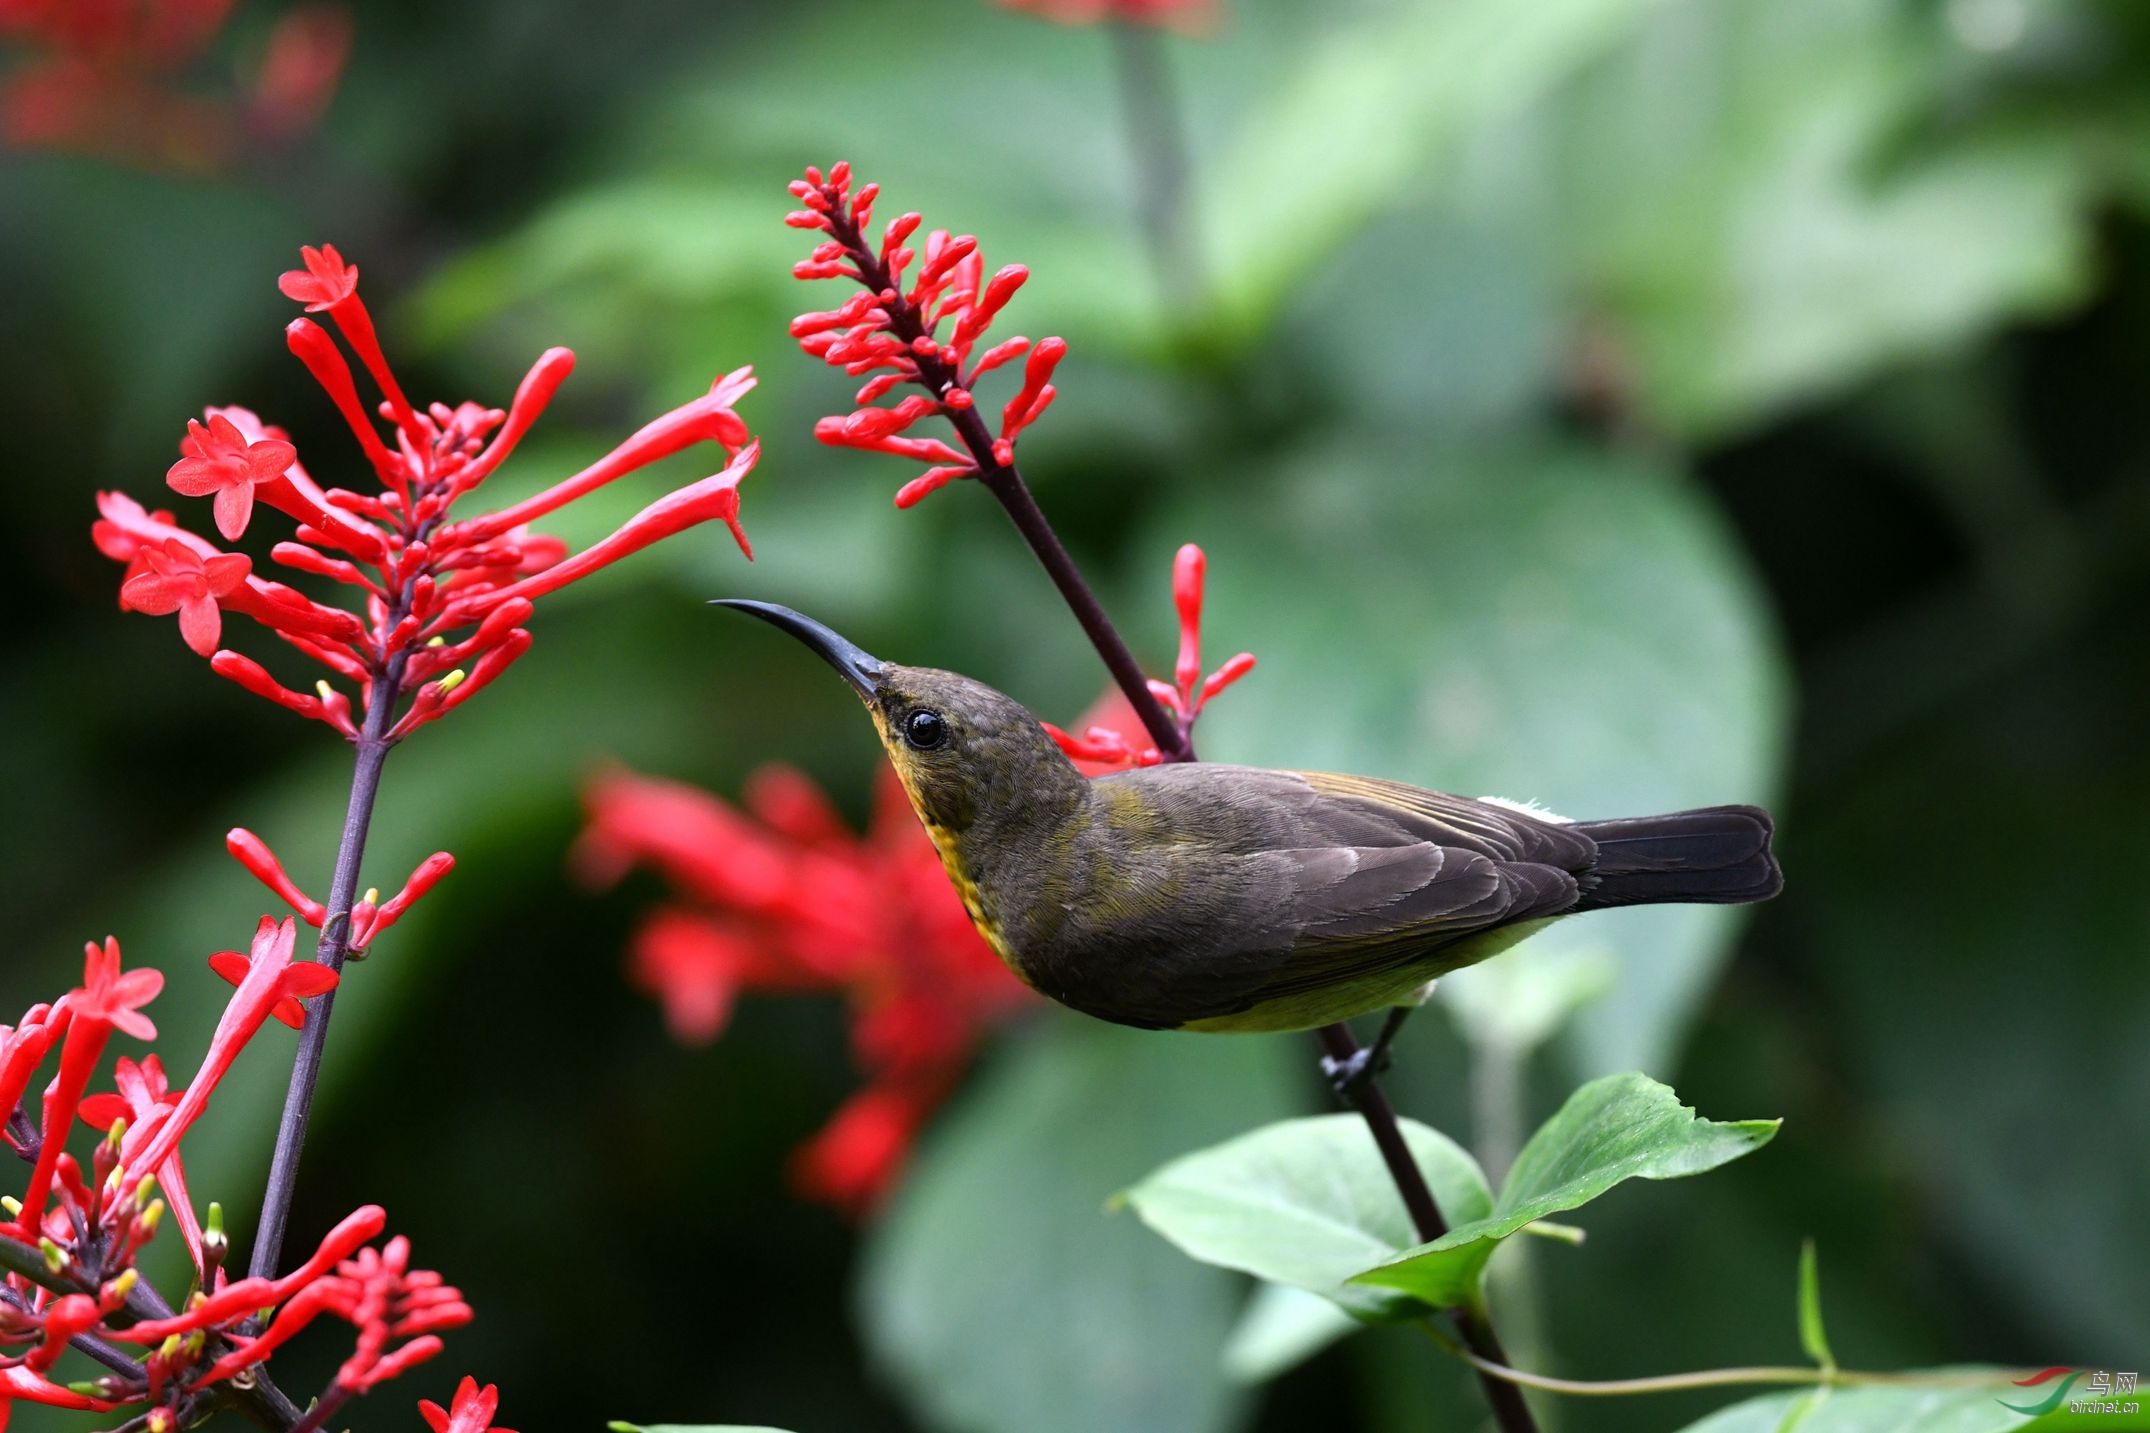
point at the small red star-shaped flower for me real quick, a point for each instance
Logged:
(116, 999)
(176, 578)
(218, 459)
(472, 1413)
(325, 281)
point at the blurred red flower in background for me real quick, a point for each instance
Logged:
(782, 896)
(1189, 17)
(105, 77)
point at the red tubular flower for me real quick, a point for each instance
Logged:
(861, 1150)
(23, 1048)
(29, 1386)
(1112, 738)
(65, 1317)
(782, 897)
(246, 1297)
(325, 281)
(428, 874)
(269, 983)
(145, 1101)
(253, 853)
(894, 334)
(440, 592)
(1189, 17)
(397, 1310)
(176, 578)
(219, 460)
(107, 1000)
(472, 1411)
(393, 1304)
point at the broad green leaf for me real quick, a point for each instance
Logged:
(1281, 1328)
(1619, 1128)
(1309, 1203)
(1803, 1408)
(1875, 1410)
(1812, 1337)
(1000, 1292)
(1763, 200)
(1390, 95)
(1518, 1005)
(696, 1428)
(1525, 619)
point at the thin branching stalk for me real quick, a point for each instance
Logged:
(1761, 1374)
(1173, 740)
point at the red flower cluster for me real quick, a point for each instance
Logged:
(369, 918)
(105, 77)
(1112, 738)
(443, 597)
(782, 896)
(72, 1239)
(472, 1411)
(1189, 17)
(893, 333)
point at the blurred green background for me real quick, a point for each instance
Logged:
(1619, 403)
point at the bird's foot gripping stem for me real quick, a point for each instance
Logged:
(1350, 1076)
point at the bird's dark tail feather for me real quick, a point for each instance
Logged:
(1715, 856)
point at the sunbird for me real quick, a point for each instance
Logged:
(1203, 896)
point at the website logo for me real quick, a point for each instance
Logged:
(2107, 1392)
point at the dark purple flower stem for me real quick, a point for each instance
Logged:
(1006, 484)
(1474, 1324)
(335, 943)
(330, 950)
(325, 1407)
(23, 1131)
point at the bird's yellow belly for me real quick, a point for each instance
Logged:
(1312, 1009)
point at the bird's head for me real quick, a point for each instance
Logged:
(964, 751)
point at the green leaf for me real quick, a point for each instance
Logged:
(1872, 1410)
(1307, 1202)
(999, 1292)
(1281, 1328)
(1812, 1338)
(1392, 94)
(1803, 1408)
(1619, 1128)
(695, 1428)
(1764, 200)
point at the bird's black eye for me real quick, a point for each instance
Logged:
(925, 730)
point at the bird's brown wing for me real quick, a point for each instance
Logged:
(1286, 883)
(1501, 832)
(1369, 910)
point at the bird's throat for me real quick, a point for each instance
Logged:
(950, 844)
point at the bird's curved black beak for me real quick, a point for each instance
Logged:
(858, 668)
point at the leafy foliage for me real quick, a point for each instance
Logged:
(1010, 1200)
(1872, 1410)
(1618, 1128)
(1307, 1203)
